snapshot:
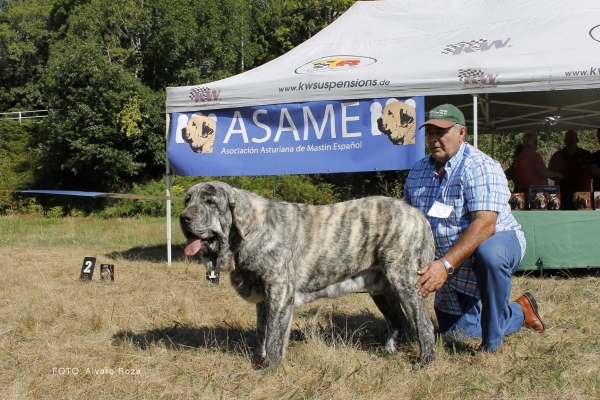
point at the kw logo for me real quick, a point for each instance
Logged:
(476, 77)
(204, 94)
(473, 46)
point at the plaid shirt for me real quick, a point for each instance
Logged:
(473, 182)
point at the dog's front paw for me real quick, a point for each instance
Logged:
(270, 363)
(257, 361)
(390, 345)
(258, 357)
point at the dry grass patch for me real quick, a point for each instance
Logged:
(165, 332)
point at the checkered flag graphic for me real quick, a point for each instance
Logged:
(462, 73)
(201, 90)
(474, 44)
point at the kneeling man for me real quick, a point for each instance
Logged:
(479, 244)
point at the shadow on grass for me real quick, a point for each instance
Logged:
(365, 332)
(357, 330)
(183, 337)
(155, 254)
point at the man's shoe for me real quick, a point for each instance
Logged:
(530, 311)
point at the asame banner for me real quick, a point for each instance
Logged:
(299, 138)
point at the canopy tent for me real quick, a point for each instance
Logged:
(510, 50)
(510, 65)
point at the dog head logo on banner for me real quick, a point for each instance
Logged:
(200, 134)
(397, 122)
(198, 131)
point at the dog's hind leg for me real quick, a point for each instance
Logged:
(416, 311)
(394, 316)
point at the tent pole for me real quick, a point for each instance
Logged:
(168, 192)
(475, 100)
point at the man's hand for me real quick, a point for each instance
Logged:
(433, 277)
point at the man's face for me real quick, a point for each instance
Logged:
(571, 140)
(444, 143)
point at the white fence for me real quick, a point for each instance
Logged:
(21, 115)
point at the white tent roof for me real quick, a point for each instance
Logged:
(528, 60)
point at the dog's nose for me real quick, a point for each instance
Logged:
(185, 218)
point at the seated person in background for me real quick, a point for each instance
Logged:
(595, 166)
(509, 172)
(529, 167)
(573, 163)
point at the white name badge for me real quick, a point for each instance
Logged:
(439, 210)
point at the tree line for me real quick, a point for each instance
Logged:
(101, 67)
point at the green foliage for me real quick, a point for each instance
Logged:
(291, 188)
(77, 213)
(24, 40)
(282, 25)
(16, 162)
(130, 117)
(106, 129)
(55, 212)
(348, 186)
(24, 206)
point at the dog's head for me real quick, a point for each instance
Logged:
(538, 201)
(215, 220)
(398, 123)
(516, 202)
(553, 202)
(200, 133)
(582, 201)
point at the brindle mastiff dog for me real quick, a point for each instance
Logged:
(281, 255)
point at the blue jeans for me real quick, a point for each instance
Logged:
(495, 261)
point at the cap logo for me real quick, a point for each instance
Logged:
(437, 113)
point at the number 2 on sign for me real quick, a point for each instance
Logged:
(88, 267)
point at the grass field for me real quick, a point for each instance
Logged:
(160, 332)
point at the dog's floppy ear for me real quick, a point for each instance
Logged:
(242, 213)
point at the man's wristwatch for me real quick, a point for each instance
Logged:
(449, 267)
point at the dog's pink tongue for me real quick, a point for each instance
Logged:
(192, 246)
